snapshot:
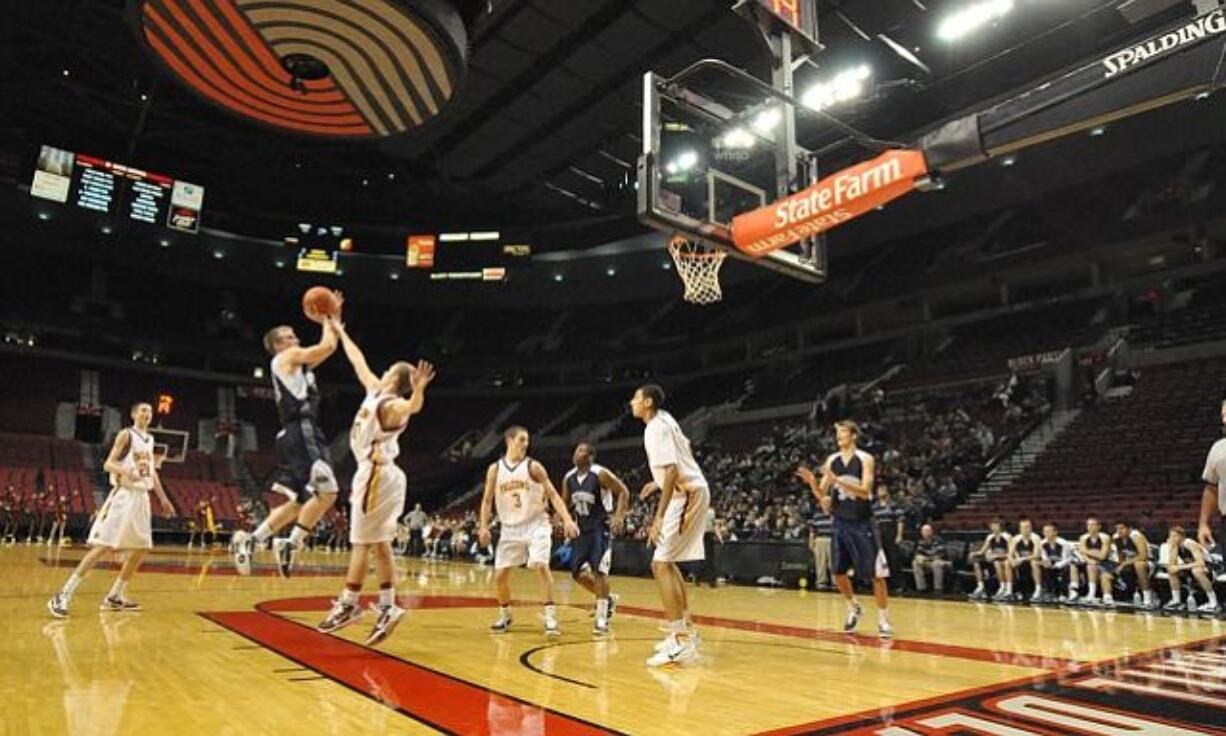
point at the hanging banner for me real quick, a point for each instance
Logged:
(830, 202)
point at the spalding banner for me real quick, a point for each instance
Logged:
(828, 203)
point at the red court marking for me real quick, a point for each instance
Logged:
(436, 699)
(902, 709)
(316, 603)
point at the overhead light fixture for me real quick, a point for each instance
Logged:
(257, 372)
(685, 161)
(846, 85)
(737, 138)
(452, 237)
(65, 72)
(1008, 161)
(164, 242)
(766, 120)
(106, 229)
(1097, 130)
(610, 271)
(558, 277)
(667, 266)
(44, 216)
(971, 18)
(394, 275)
(487, 235)
(219, 254)
(279, 263)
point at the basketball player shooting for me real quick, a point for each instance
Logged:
(123, 523)
(585, 489)
(676, 531)
(851, 472)
(305, 477)
(378, 489)
(520, 486)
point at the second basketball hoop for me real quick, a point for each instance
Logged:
(698, 265)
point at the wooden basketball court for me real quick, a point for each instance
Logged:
(214, 653)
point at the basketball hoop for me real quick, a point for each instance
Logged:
(698, 264)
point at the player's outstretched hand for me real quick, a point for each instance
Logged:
(483, 536)
(1204, 535)
(421, 375)
(167, 508)
(618, 523)
(806, 476)
(570, 529)
(648, 490)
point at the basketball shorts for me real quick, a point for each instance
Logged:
(592, 549)
(1107, 566)
(683, 546)
(306, 464)
(375, 502)
(528, 544)
(856, 547)
(124, 521)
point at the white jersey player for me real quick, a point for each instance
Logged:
(378, 491)
(519, 487)
(124, 522)
(677, 528)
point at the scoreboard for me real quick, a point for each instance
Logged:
(466, 256)
(110, 188)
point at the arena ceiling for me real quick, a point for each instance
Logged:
(543, 130)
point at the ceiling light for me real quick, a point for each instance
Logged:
(487, 235)
(846, 85)
(1097, 130)
(394, 276)
(766, 120)
(65, 72)
(164, 242)
(971, 18)
(1008, 161)
(44, 216)
(257, 372)
(666, 266)
(737, 138)
(685, 161)
(219, 254)
(558, 277)
(610, 271)
(106, 229)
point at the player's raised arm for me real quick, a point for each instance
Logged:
(397, 412)
(357, 359)
(311, 356)
(487, 502)
(610, 482)
(537, 472)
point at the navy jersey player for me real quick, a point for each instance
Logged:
(589, 490)
(845, 491)
(305, 476)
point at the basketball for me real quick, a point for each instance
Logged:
(320, 302)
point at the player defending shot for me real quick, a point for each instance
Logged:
(519, 486)
(378, 489)
(584, 489)
(123, 523)
(677, 529)
(851, 472)
(305, 477)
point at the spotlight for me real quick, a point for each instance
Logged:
(1008, 161)
(257, 372)
(971, 18)
(846, 85)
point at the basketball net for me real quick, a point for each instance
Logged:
(698, 265)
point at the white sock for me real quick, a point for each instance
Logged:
(852, 604)
(1107, 596)
(387, 597)
(118, 588)
(298, 536)
(349, 597)
(70, 585)
(1093, 589)
(883, 616)
(551, 612)
(1147, 596)
(602, 608)
(263, 532)
(1213, 599)
(504, 612)
(1177, 597)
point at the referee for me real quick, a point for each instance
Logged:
(1214, 497)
